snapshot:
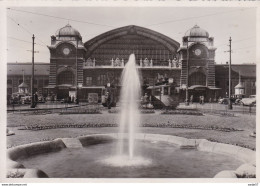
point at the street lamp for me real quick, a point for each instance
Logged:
(76, 92)
(32, 78)
(187, 78)
(229, 79)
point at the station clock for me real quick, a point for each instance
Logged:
(66, 51)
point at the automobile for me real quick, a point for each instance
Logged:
(251, 101)
(25, 99)
(223, 101)
(41, 99)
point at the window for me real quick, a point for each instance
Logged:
(217, 83)
(9, 91)
(253, 84)
(20, 81)
(46, 82)
(9, 82)
(101, 80)
(89, 81)
(66, 77)
(197, 78)
(35, 81)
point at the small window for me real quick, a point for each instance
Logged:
(89, 81)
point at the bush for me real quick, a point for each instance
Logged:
(16, 174)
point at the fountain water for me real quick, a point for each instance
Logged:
(129, 117)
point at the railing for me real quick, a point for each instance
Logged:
(161, 64)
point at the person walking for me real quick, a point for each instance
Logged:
(35, 99)
(191, 99)
(202, 100)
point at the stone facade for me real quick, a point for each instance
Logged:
(91, 65)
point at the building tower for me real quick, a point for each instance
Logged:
(197, 55)
(66, 61)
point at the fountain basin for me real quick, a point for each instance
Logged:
(160, 153)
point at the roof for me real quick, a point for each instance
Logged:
(23, 85)
(168, 42)
(196, 31)
(245, 70)
(239, 86)
(17, 69)
(67, 30)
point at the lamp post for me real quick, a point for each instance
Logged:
(229, 78)
(77, 98)
(187, 78)
(32, 78)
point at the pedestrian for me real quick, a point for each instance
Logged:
(209, 100)
(35, 99)
(202, 100)
(191, 99)
(109, 100)
(146, 99)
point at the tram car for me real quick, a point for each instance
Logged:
(109, 95)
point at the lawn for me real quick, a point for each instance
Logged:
(245, 123)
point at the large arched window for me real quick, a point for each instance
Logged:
(197, 78)
(65, 77)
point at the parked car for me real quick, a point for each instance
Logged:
(251, 101)
(223, 101)
(41, 99)
(25, 99)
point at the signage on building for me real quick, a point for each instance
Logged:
(92, 98)
(80, 85)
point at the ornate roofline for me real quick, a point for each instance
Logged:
(92, 44)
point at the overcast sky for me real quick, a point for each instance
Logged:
(221, 23)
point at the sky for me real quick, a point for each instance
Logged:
(221, 23)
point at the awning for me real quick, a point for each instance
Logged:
(214, 88)
(202, 87)
(158, 86)
(93, 87)
(193, 87)
(50, 86)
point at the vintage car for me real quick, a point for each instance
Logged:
(251, 101)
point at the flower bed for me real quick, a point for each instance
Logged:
(99, 125)
(183, 111)
(147, 111)
(201, 127)
(16, 174)
(82, 111)
(143, 111)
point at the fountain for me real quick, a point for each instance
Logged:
(129, 118)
